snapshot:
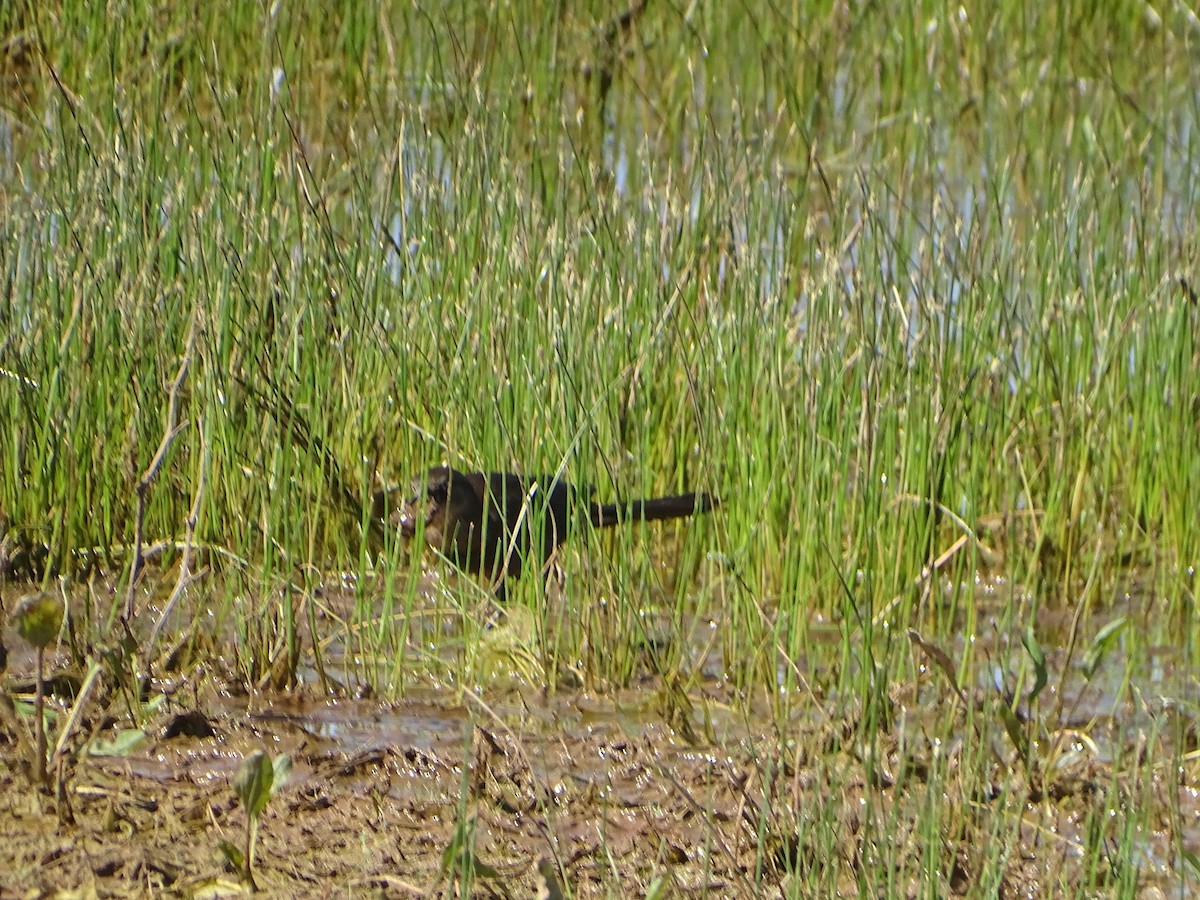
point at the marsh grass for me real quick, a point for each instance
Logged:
(873, 280)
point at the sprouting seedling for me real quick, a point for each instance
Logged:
(258, 779)
(37, 619)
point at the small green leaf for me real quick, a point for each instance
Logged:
(38, 617)
(281, 767)
(1102, 643)
(1016, 731)
(1192, 861)
(27, 709)
(459, 845)
(124, 743)
(1038, 658)
(235, 857)
(253, 783)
